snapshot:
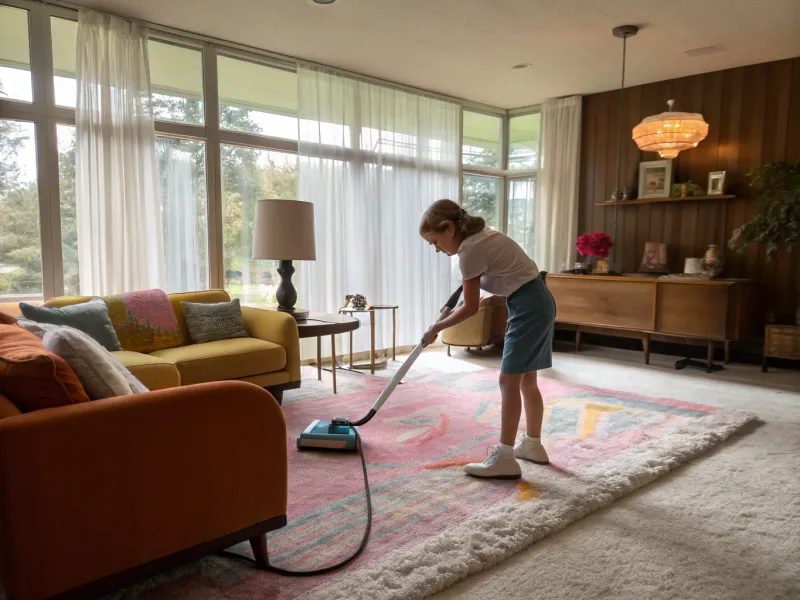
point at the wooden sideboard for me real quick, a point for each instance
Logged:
(720, 310)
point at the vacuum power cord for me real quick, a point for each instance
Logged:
(346, 561)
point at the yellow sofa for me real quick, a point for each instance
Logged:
(270, 358)
(484, 328)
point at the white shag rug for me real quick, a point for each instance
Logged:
(420, 571)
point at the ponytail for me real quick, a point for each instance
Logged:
(443, 212)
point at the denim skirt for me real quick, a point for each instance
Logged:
(528, 342)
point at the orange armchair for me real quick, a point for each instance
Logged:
(98, 495)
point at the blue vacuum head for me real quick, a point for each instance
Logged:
(324, 435)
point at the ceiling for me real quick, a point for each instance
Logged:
(466, 48)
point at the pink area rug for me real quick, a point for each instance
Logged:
(432, 524)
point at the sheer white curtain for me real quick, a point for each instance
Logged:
(372, 159)
(556, 207)
(120, 238)
(184, 269)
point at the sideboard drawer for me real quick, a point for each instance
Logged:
(782, 342)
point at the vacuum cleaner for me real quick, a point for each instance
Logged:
(339, 433)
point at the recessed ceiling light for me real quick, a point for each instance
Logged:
(521, 66)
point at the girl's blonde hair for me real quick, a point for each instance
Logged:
(443, 212)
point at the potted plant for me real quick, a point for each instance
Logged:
(777, 222)
(596, 244)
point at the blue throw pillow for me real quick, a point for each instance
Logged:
(90, 317)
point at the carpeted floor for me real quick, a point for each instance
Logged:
(603, 445)
(726, 526)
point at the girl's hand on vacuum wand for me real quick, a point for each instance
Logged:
(430, 336)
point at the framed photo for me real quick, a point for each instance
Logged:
(716, 183)
(655, 178)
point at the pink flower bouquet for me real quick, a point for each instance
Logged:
(594, 244)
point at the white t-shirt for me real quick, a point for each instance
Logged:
(499, 261)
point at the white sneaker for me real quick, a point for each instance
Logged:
(498, 464)
(531, 449)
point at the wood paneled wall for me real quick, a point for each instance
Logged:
(754, 117)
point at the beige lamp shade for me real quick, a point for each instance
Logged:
(284, 230)
(670, 132)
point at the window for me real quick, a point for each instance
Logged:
(249, 175)
(15, 56)
(69, 224)
(480, 198)
(65, 41)
(519, 220)
(481, 140)
(523, 142)
(20, 241)
(176, 80)
(182, 185)
(257, 99)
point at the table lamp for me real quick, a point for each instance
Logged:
(284, 231)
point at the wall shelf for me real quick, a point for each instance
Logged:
(655, 200)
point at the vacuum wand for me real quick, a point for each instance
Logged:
(401, 372)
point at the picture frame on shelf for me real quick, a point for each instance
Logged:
(716, 183)
(655, 178)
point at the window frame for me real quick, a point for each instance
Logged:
(46, 116)
(503, 173)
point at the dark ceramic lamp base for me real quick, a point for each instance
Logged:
(286, 294)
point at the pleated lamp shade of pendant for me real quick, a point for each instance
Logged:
(670, 132)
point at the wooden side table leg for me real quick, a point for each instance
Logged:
(394, 334)
(333, 361)
(727, 352)
(710, 358)
(646, 348)
(351, 350)
(319, 358)
(578, 339)
(372, 342)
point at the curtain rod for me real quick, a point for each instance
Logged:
(289, 59)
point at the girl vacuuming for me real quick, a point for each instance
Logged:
(492, 261)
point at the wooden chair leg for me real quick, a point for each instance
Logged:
(259, 546)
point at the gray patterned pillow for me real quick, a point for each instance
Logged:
(212, 322)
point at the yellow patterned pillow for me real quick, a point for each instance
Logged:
(144, 321)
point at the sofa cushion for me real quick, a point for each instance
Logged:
(101, 375)
(90, 317)
(154, 373)
(207, 296)
(144, 321)
(33, 378)
(225, 359)
(211, 322)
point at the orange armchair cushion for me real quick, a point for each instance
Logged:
(33, 378)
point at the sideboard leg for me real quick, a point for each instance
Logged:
(727, 352)
(646, 348)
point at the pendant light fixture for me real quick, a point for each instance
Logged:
(670, 132)
(624, 32)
